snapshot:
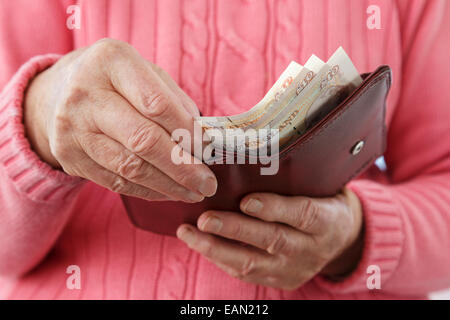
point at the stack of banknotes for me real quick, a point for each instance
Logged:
(300, 98)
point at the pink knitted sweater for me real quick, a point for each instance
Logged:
(225, 55)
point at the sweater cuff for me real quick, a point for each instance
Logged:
(28, 173)
(383, 240)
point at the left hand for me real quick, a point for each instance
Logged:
(281, 241)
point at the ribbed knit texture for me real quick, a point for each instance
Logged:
(225, 55)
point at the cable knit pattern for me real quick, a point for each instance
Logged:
(226, 55)
(383, 230)
(194, 45)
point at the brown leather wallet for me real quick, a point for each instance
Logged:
(318, 163)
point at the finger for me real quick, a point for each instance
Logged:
(185, 100)
(151, 143)
(302, 213)
(113, 156)
(244, 262)
(89, 169)
(191, 107)
(272, 237)
(172, 120)
(138, 83)
(266, 280)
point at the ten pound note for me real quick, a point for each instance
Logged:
(299, 98)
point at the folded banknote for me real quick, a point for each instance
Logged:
(300, 97)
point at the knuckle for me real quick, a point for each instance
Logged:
(144, 139)
(156, 104)
(106, 50)
(307, 215)
(131, 167)
(107, 47)
(248, 268)
(91, 145)
(232, 272)
(277, 241)
(106, 42)
(61, 123)
(207, 248)
(75, 95)
(183, 177)
(119, 185)
(236, 231)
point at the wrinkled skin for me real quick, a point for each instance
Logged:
(106, 114)
(281, 242)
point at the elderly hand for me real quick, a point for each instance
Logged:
(106, 114)
(280, 241)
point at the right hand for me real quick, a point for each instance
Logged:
(104, 113)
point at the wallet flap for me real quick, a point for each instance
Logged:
(382, 73)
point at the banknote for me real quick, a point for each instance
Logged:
(240, 120)
(336, 79)
(311, 68)
(300, 97)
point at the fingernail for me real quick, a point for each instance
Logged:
(208, 187)
(186, 235)
(212, 224)
(253, 206)
(194, 196)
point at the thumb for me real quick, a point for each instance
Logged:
(302, 213)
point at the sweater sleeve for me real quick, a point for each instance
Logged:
(407, 220)
(35, 200)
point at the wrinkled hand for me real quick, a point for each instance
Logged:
(280, 241)
(104, 113)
